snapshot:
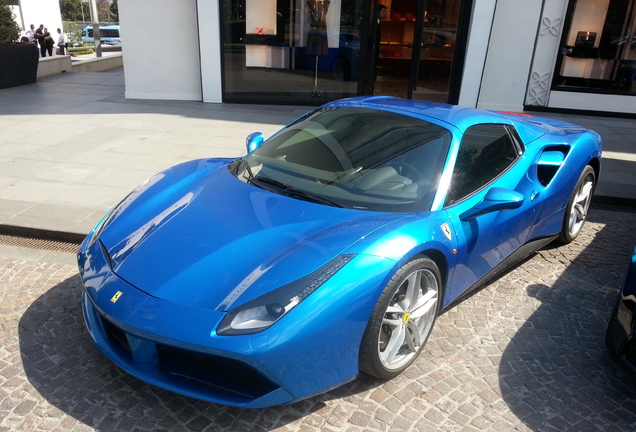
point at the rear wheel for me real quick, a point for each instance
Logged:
(578, 206)
(402, 320)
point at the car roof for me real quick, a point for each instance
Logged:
(456, 116)
(459, 117)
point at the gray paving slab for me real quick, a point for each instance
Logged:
(73, 140)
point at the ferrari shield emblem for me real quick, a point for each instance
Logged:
(447, 231)
(116, 297)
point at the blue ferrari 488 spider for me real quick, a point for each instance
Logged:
(329, 249)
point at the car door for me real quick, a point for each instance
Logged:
(490, 158)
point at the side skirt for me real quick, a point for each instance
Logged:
(514, 258)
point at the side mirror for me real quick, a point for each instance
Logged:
(496, 199)
(254, 141)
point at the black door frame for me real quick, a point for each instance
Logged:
(369, 58)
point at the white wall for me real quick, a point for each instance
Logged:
(509, 56)
(161, 49)
(593, 102)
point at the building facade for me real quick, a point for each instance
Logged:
(494, 54)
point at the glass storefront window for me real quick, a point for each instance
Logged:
(598, 51)
(291, 51)
(314, 51)
(430, 78)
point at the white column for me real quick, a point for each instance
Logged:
(481, 20)
(210, 49)
(546, 52)
(509, 57)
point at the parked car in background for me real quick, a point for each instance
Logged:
(330, 248)
(109, 35)
(621, 331)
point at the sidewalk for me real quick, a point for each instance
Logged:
(71, 146)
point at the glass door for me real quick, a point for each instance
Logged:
(419, 44)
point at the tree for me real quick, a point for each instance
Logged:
(78, 10)
(114, 11)
(74, 10)
(103, 10)
(9, 29)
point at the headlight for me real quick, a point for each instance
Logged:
(100, 225)
(264, 311)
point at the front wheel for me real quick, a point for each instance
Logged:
(578, 206)
(402, 319)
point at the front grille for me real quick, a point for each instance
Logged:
(218, 373)
(116, 335)
(212, 374)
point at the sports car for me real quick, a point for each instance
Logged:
(329, 249)
(621, 330)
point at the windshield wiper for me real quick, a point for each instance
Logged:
(291, 191)
(250, 175)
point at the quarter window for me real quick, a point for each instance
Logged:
(485, 152)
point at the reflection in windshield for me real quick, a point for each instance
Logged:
(355, 158)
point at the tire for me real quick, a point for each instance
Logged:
(578, 206)
(402, 319)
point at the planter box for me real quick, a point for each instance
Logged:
(18, 64)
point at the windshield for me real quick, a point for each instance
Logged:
(353, 158)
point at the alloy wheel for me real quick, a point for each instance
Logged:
(408, 319)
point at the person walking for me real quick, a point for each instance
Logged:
(62, 41)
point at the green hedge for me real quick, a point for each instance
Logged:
(80, 51)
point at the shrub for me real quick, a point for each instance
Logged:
(80, 51)
(9, 29)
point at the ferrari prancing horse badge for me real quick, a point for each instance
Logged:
(447, 231)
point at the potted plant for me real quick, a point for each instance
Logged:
(18, 61)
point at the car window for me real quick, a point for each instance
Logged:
(357, 158)
(485, 152)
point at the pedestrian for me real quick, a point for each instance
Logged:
(48, 42)
(31, 34)
(39, 36)
(382, 9)
(28, 36)
(61, 41)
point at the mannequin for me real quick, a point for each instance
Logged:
(317, 39)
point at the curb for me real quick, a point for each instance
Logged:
(615, 204)
(43, 234)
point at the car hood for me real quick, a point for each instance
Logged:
(198, 236)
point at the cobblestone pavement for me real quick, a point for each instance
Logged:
(525, 353)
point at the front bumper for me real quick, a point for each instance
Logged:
(309, 351)
(186, 370)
